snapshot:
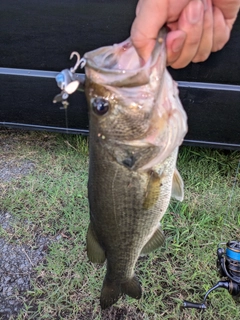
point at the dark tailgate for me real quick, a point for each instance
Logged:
(40, 35)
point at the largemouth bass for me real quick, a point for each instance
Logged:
(136, 125)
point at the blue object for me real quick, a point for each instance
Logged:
(234, 255)
(60, 77)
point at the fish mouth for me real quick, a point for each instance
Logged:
(119, 65)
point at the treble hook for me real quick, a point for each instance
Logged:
(80, 62)
(68, 81)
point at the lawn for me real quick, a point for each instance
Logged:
(51, 200)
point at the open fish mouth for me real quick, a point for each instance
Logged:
(120, 66)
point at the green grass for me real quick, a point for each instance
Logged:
(52, 200)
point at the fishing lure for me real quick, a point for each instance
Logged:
(69, 81)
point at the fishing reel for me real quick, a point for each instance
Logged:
(228, 266)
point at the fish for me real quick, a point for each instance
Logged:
(137, 124)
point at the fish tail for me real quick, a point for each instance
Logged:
(113, 290)
(132, 288)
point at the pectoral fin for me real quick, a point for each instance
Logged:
(177, 186)
(153, 190)
(95, 252)
(156, 241)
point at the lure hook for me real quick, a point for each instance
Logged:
(68, 81)
(80, 62)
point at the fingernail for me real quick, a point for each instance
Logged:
(194, 11)
(177, 45)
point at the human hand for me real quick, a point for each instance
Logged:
(197, 28)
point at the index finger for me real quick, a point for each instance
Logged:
(151, 15)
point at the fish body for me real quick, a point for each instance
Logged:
(136, 125)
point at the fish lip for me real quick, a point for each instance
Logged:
(160, 46)
(99, 69)
(95, 66)
(116, 73)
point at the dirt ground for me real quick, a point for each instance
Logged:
(17, 259)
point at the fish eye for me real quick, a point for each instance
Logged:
(100, 106)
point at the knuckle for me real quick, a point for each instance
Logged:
(220, 38)
(208, 25)
(193, 41)
(218, 45)
(201, 56)
(178, 64)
